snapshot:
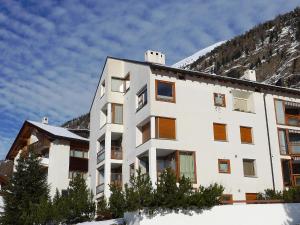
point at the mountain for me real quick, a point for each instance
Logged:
(195, 56)
(82, 122)
(271, 48)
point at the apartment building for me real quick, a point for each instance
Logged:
(63, 154)
(239, 133)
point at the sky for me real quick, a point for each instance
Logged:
(52, 52)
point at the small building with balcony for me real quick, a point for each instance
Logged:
(63, 154)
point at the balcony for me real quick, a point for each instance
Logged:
(100, 188)
(44, 161)
(116, 179)
(116, 152)
(39, 146)
(292, 120)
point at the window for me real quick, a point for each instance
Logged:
(227, 199)
(117, 113)
(286, 172)
(287, 113)
(102, 88)
(249, 167)
(78, 154)
(224, 166)
(246, 135)
(219, 99)
(187, 165)
(127, 82)
(220, 132)
(283, 144)
(117, 84)
(165, 128)
(142, 98)
(146, 132)
(243, 101)
(165, 91)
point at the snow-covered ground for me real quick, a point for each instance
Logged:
(196, 56)
(106, 222)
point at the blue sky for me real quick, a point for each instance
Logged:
(51, 52)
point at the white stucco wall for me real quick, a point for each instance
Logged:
(261, 214)
(58, 169)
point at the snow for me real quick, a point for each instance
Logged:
(57, 131)
(105, 222)
(196, 56)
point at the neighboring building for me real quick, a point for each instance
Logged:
(63, 153)
(240, 133)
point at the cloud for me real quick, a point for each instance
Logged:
(52, 51)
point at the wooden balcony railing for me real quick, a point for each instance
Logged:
(116, 179)
(116, 152)
(294, 148)
(39, 145)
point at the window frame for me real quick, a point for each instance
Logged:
(251, 132)
(158, 98)
(120, 79)
(113, 105)
(223, 100)
(142, 92)
(226, 135)
(254, 167)
(177, 160)
(222, 161)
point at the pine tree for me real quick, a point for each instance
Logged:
(139, 192)
(102, 209)
(79, 201)
(117, 201)
(166, 192)
(27, 193)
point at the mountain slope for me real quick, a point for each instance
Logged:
(271, 48)
(195, 56)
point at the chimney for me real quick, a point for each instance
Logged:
(155, 57)
(249, 75)
(45, 120)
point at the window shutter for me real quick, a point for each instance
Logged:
(251, 196)
(165, 128)
(246, 134)
(146, 132)
(220, 132)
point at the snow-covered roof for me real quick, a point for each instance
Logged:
(57, 131)
(196, 55)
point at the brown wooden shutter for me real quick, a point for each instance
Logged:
(146, 131)
(165, 128)
(246, 134)
(251, 196)
(220, 132)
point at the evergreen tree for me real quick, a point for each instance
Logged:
(166, 192)
(117, 201)
(102, 209)
(185, 191)
(79, 201)
(139, 192)
(27, 193)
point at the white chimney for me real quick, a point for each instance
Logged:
(45, 120)
(155, 57)
(249, 75)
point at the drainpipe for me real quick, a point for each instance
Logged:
(269, 142)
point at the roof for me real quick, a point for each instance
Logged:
(57, 131)
(51, 131)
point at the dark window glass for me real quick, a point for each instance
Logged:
(164, 89)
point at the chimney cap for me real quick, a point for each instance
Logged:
(155, 57)
(45, 120)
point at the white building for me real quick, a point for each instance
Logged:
(240, 133)
(63, 153)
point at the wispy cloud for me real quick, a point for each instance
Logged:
(52, 51)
